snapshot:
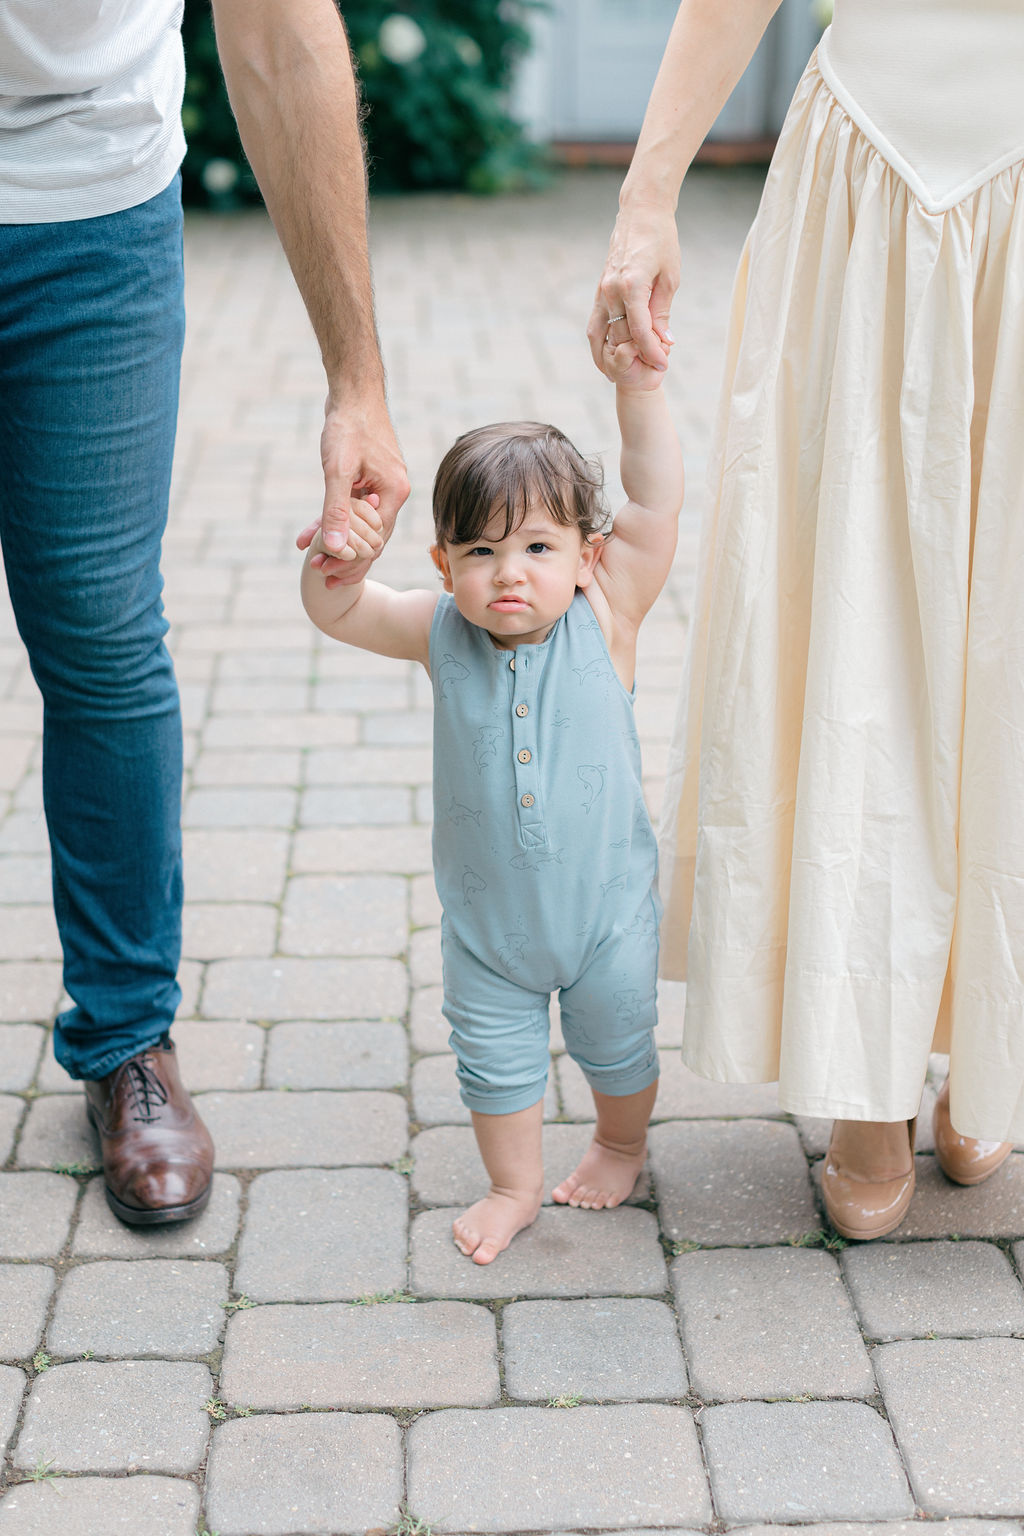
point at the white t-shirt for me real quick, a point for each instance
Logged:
(90, 106)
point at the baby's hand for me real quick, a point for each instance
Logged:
(365, 540)
(622, 363)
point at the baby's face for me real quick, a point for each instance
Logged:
(517, 585)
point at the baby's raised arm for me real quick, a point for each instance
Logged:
(636, 561)
(368, 614)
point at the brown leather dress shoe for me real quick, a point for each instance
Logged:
(157, 1153)
(964, 1159)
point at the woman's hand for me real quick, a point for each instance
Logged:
(634, 296)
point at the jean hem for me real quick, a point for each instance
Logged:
(113, 1059)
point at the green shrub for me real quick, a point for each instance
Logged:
(434, 76)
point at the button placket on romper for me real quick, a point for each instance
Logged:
(529, 810)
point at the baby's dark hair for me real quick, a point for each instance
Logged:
(506, 468)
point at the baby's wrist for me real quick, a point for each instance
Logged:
(646, 391)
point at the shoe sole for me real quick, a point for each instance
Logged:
(978, 1178)
(155, 1216)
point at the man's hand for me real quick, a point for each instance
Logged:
(361, 459)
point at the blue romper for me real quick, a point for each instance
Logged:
(544, 859)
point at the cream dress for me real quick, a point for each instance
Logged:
(843, 858)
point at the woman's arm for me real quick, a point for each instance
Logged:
(710, 45)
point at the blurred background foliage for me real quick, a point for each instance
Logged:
(434, 76)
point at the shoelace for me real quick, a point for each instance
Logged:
(148, 1091)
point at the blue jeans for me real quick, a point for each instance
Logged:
(91, 330)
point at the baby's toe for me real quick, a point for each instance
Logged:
(466, 1240)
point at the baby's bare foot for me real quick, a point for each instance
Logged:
(603, 1179)
(482, 1232)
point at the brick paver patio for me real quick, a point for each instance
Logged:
(312, 1354)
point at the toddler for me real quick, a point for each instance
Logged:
(544, 857)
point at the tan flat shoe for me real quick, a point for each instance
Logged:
(964, 1159)
(862, 1208)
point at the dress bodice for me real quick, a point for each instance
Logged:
(935, 85)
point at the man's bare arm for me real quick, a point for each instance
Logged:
(289, 76)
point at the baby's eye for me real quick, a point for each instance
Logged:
(481, 549)
(537, 549)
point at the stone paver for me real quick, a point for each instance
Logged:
(219, 1054)
(57, 1134)
(565, 1253)
(803, 1461)
(895, 1528)
(99, 1234)
(447, 1169)
(20, 1045)
(12, 1385)
(285, 988)
(388, 1354)
(357, 849)
(151, 1309)
(324, 1236)
(28, 990)
(425, 957)
(25, 1291)
(742, 1181)
(239, 808)
(35, 1214)
(769, 1322)
(319, 1472)
(992, 1209)
(226, 930)
(364, 1055)
(11, 1110)
(957, 1410)
(234, 866)
(428, 1027)
(611, 1349)
(914, 1290)
(345, 915)
(96, 1416)
(102, 1506)
(289, 1130)
(506, 1470)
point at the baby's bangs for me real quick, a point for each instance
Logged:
(503, 470)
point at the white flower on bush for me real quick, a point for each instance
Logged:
(401, 39)
(468, 50)
(219, 175)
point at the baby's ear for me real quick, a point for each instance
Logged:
(440, 559)
(590, 553)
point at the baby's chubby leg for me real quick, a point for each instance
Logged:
(510, 1146)
(612, 1163)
